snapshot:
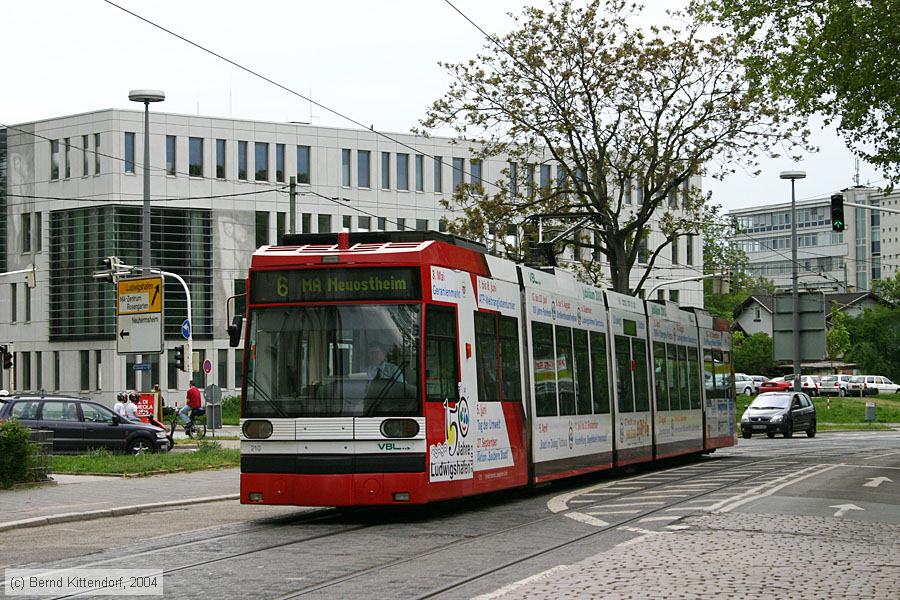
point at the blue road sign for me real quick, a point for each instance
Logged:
(141, 366)
(186, 329)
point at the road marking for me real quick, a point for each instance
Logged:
(677, 527)
(730, 504)
(521, 583)
(648, 503)
(580, 501)
(638, 530)
(594, 493)
(843, 508)
(663, 495)
(876, 481)
(587, 519)
(654, 519)
(613, 512)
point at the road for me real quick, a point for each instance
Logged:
(804, 518)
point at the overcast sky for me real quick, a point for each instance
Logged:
(374, 61)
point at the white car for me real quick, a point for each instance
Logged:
(834, 385)
(744, 384)
(872, 385)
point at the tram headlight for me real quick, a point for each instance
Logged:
(399, 428)
(257, 429)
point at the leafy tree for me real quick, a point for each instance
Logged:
(837, 339)
(632, 118)
(836, 58)
(875, 341)
(753, 354)
(888, 289)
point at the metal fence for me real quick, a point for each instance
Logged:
(42, 443)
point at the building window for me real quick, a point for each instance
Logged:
(401, 224)
(382, 223)
(279, 162)
(421, 224)
(96, 154)
(280, 218)
(220, 159)
(195, 157)
(345, 167)
(347, 223)
(98, 370)
(222, 369)
(673, 295)
(363, 223)
(303, 174)
(68, 146)
(26, 232)
(84, 381)
(513, 178)
(459, 173)
(438, 174)
(675, 250)
(27, 291)
(54, 159)
(37, 238)
(56, 371)
(545, 177)
(475, 166)
(306, 222)
(639, 195)
(363, 174)
(627, 192)
(660, 295)
(442, 225)
(242, 161)
(420, 173)
(262, 228)
(238, 368)
(261, 160)
(403, 172)
(385, 170)
(26, 370)
(689, 248)
(129, 152)
(85, 165)
(324, 224)
(12, 303)
(170, 154)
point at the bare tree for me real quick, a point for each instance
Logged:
(630, 117)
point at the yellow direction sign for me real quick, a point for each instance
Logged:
(137, 296)
(139, 305)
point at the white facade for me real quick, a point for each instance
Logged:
(92, 367)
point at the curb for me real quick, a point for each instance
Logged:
(108, 512)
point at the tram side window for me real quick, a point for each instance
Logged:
(641, 376)
(599, 373)
(582, 372)
(660, 371)
(721, 377)
(696, 381)
(510, 370)
(565, 370)
(728, 387)
(672, 376)
(624, 382)
(684, 401)
(544, 369)
(709, 375)
(441, 381)
(486, 357)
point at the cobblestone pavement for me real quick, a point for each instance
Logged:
(736, 556)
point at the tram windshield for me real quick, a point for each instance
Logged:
(333, 361)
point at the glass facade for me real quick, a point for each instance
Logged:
(82, 308)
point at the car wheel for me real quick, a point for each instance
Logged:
(811, 432)
(140, 445)
(842, 392)
(748, 391)
(746, 435)
(789, 429)
(770, 434)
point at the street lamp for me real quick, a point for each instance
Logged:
(146, 96)
(794, 176)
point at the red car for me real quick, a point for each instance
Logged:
(775, 385)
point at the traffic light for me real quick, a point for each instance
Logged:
(6, 358)
(179, 357)
(837, 212)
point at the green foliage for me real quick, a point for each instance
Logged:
(208, 456)
(836, 58)
(625, 112)
(875, 341)
(753, 354)
(888, 289)
(837, 339)
(231, 410)
(15, 454)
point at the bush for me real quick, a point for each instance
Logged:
(231, 410)
(208, 446)
(15, 454)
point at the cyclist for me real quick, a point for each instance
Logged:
(130, 407)
(193, 403)
(119, 408)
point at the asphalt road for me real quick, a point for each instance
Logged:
(833, 499)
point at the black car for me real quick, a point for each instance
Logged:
(779, 412)
(79, 425)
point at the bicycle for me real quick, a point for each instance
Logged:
(194, 429)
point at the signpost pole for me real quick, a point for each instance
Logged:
(794, 176)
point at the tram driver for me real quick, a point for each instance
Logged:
(379, 367)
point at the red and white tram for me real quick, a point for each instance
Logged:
(409, 367)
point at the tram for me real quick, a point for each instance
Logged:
(411, 367)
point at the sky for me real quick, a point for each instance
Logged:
(375, 62)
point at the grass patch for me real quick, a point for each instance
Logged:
(231, 410)
(853, 426)
(209, 455)
(835, 412)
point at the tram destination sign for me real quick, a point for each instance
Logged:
(323, 285)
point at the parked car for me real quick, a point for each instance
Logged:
(779, 412)
(744, 384)
(778, 384)
(79, 425)
(759, 379)
(871, 385)
(808, 384)
(834, 385)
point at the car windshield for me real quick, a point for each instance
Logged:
(333, 361)
(856, 379)
(775, 401)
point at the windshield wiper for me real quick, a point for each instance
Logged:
(390, 382)
(266, 398)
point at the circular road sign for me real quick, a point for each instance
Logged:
(207, 366)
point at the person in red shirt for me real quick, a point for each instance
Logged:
(193, 403)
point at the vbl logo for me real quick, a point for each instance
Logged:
(391, 446)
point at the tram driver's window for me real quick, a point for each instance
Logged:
(441, 381)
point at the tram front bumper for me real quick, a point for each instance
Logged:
(346, 489)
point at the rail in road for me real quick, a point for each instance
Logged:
(463, 548)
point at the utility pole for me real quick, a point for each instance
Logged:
(794, 176)
(293, 204)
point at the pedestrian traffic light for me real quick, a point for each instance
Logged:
(6, 358)
(179, 357)
(837, 212)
